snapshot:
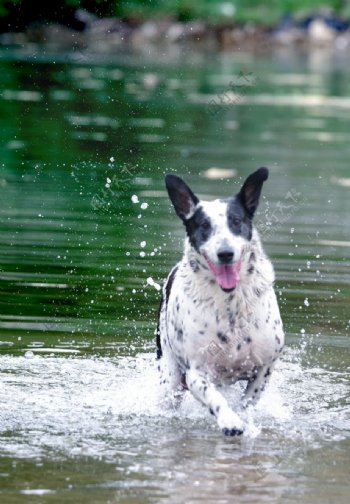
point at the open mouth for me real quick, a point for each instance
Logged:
(227, 275)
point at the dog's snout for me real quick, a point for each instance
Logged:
(225, 255)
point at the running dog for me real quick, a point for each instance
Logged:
(219, 320)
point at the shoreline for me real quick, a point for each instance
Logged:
(110, 35)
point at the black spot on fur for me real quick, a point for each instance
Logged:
(251, 269)
(277, 339)
(267, 373)
(248, 339)
(169, 283)
(198, 228)
(232, 319)
(239, 346)
(238, 220)
(222, 337)
(158, 343)
(194, 265)
(183, 381)
(232, 432)
(180, 335)
(252, 375)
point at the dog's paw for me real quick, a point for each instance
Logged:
(230, 423)
(232, 432)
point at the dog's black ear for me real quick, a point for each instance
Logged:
(250, 193)
(181, 196)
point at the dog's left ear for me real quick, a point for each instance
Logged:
(250, 193)
(183, 199)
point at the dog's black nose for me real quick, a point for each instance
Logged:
(225, 255)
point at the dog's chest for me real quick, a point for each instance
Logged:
(230, 338)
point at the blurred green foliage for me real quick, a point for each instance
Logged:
(22, 12)
(261, 11)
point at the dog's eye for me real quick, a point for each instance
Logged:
(205, 225)
(236, 221)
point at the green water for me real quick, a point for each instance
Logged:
(87, 234)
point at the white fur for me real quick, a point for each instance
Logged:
(210, 337)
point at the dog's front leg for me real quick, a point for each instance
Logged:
(207, 394)
(256, 385)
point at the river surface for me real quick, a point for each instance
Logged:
(88, 236)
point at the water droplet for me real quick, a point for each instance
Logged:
(154, 284)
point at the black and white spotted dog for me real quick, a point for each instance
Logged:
(219, 320)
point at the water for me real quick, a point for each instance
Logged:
(88, 235)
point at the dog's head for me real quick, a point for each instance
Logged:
(219, 230)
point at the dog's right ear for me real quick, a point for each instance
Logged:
(183, 199)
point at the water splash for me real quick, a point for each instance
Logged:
(82, 405)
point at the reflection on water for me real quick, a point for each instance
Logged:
(87, 237)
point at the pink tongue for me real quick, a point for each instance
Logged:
(227, 275)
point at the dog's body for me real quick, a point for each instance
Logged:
(219, 320)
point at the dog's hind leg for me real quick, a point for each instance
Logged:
(207, 394)
(172, 378)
